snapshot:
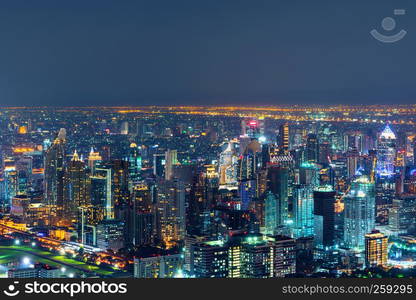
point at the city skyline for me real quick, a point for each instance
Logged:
(208, 191)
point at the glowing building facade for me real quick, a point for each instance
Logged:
(359, 218)
(386, 152)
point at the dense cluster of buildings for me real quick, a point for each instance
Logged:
(213, 196)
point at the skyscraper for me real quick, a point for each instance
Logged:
(312, 148)
(171, 159)
(386, 152)
(76, 188)
(278, 184)
(324, 216)
(376, 249)
(228, 165)
(303, 201)
(359, 218)
(54, 174)
(283, 138)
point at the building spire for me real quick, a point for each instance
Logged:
(75, 157)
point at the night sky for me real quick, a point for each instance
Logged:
(121, 52)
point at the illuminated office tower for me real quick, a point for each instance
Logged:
(54, 173)
(270, 214)
(210, 260)
(249, 161)
(110, 235)
(20, 207)
(141, 217)
(120, 181)
(171, 159)
(94, 159)
(247, 172)
(252, 128)
(135, 163)
(386, 152)
(309, 174)
(324, 216)
(158, 164)
(284, 255)
(99, 196)
(376, 249)
(102, 191)
(359, 218)
(278, 184)
(247, 192)
(409, 181)
(124, 128)
(9, 182)
(352, 162)
(76, 188)
(228, 166)
(324, 153)
(201, 201)
(171, 211)
(303, 223)
(234, 259)
(161, 266)
(283, 138)
(353, 140)
(312, 148)
(24, 174)
(402, 215)
(256, 258)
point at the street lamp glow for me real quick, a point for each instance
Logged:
(26, 260)
(17, 242)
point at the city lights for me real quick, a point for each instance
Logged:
(191, 192)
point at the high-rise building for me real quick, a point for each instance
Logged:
(324, 216)
(284, 255)
(158, 164)
(352, 162)
(110, 235)
(210, 260)
(94, 158)
(402, 215)
(256, 258)
(54, 174)
(171, 159)
(135, 163)
(278, 184)
(376, 249)
(270, 213)
(162, 266)
(76, 188)
(303, 201)
(171, 211)
(359, 213)
(228, 166)
(386, 152)
(124, 128)
(312, 148)
(283, 138)
(102, 191)
(140, 223)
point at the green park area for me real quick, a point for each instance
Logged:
(12, 253)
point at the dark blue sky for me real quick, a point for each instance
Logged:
(121, 52)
